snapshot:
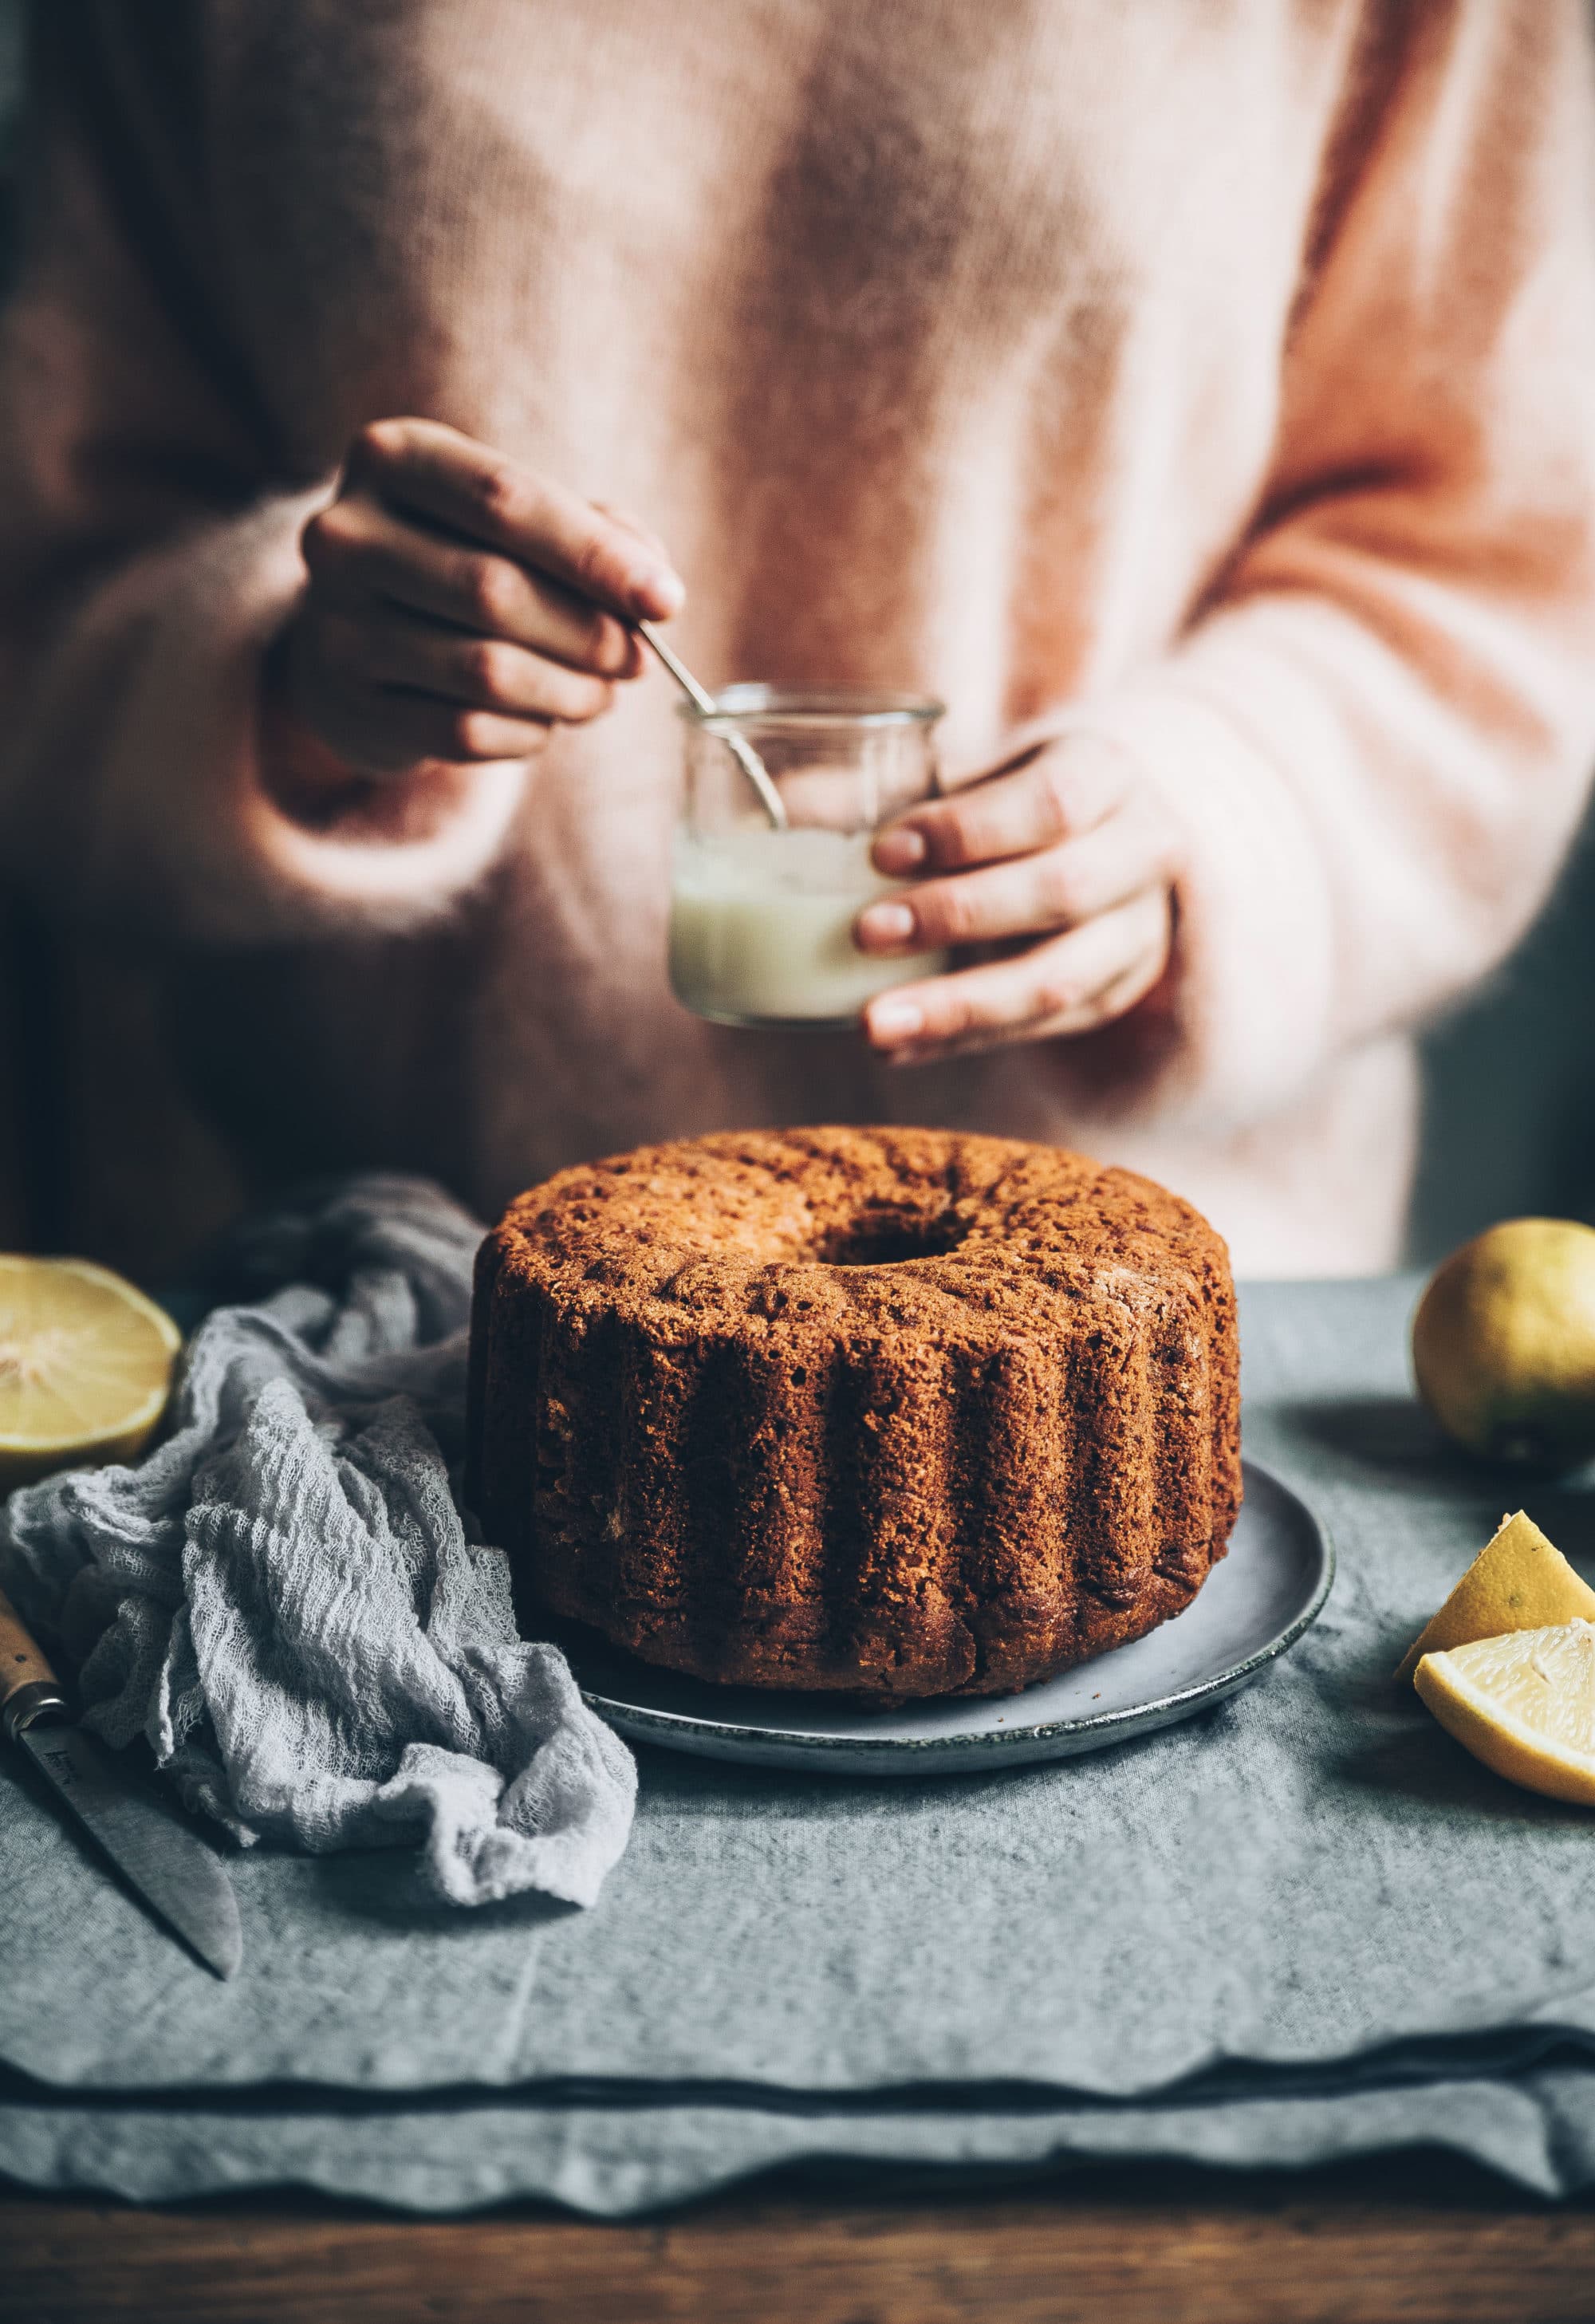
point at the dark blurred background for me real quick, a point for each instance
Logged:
(10, 74)
(1510, 1078)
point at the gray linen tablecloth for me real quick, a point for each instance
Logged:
(1300, 1926)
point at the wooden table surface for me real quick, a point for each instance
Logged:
(1424, 2240)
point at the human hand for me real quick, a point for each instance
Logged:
(1063, 858)
(460, 607)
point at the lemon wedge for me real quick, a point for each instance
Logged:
(86, 1365)
(1524, 1704)
(1518, 1581)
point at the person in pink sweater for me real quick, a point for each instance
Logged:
(1200, 400)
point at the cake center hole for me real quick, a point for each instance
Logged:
(883, 1238)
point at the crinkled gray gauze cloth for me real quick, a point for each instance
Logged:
(283, 1596)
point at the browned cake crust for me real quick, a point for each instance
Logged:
(892, 1412)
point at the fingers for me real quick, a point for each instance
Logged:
(459, 606)
(427, 470)
(383, 732)
(1061, 791)
(634, 524)
(417, 657)
(494, 702)
(1058, 887)
(1068, 985)
(359, 552)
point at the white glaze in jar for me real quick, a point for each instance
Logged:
(761, 927)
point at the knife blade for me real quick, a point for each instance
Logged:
(170, 1869)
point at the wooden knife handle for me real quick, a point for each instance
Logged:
(28, 1686)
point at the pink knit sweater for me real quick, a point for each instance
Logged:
(1219, 378)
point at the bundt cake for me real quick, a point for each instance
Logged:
(888, 1412)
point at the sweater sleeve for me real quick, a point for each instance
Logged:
(1377, 733)
(149, 557)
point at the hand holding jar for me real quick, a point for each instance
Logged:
(1054, 868)
(1059, 866)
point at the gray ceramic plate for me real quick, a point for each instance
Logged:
(1255, 1604)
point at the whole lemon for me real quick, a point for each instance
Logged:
(1503, 1343)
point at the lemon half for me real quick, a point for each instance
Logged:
(86, 1365)
(1524, 1704)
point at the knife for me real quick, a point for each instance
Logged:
(172, 1871)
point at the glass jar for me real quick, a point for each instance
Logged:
(761, 918)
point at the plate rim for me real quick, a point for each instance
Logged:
(1133, 1716)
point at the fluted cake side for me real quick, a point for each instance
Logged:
(894, 1413)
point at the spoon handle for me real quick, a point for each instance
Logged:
(679, 670)
(741, 749)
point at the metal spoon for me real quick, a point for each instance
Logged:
(741, 749)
